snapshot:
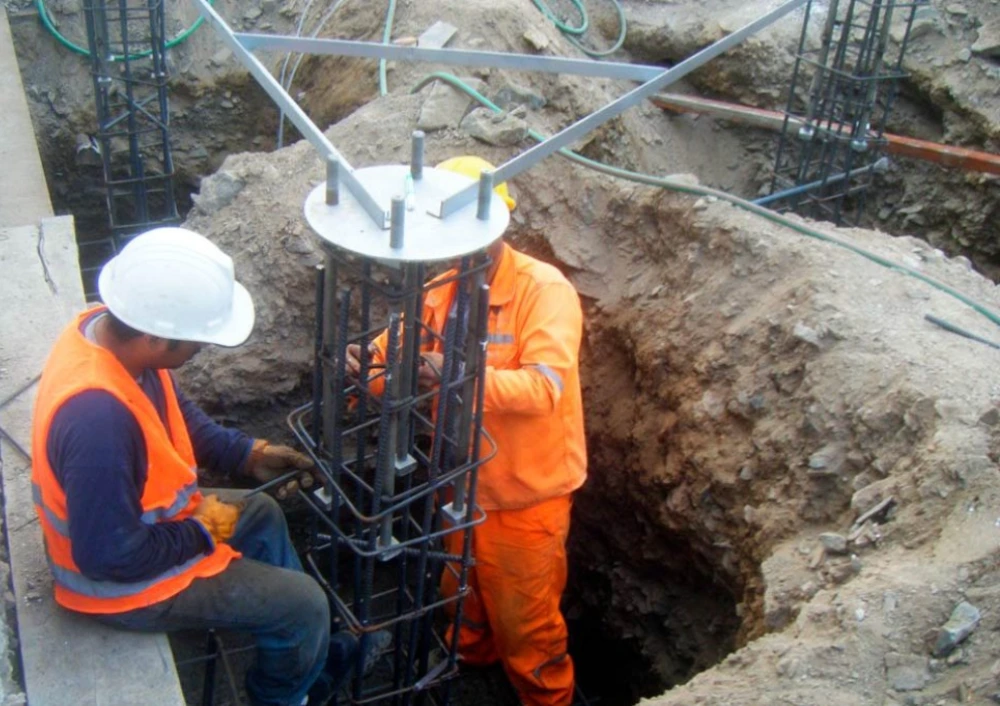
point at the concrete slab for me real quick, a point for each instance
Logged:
(24, 196)
(65, 658)
(437, 35)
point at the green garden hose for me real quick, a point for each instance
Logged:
(698, 190)
(386, 37)
(43, 14)
(573, 33)
(562, 26)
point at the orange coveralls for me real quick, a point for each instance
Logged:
(534, 412)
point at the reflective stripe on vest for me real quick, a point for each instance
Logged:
(502, 338)
(151, 517)
(78, 583)
(60, 526)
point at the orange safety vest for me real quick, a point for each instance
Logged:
(171, 491)
(532, 404)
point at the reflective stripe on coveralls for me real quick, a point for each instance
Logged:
(536, 420)
(170, 493)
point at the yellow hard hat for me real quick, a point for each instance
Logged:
(472, 167)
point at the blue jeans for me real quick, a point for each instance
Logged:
(265, 593)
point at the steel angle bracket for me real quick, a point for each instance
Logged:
(344, 171)
(654, 79)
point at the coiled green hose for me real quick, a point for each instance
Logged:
(574, 32)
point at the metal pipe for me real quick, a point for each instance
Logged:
(452, 57)
(925, 150)
(879, 167)
(396, 233)
(332, 182)
(485, 196)
(417, 155)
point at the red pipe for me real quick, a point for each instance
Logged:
(945, 155)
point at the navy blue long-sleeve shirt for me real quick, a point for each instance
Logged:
(98, 454)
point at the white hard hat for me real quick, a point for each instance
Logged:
(176, 284)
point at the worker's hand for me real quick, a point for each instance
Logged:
(268, 462)
(218, 518)
(429, 372)
(352, 365)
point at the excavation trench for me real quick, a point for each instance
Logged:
(747, 387)
(665, 576)
(647, 606)
(714, 378)
(731, 403)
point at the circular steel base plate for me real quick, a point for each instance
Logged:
(426, 238)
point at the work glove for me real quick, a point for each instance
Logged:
(218, 518)
(268, 463)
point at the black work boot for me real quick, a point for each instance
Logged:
(340, 661)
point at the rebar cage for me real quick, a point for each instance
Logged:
(399, 463)
(841, 96)
(127, 45)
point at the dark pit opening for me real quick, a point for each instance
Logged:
(645, 616)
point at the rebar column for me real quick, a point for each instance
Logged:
(398, 462)
(127, 44)
(832, 142)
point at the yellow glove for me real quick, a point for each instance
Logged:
(268, 462)
(217, 517)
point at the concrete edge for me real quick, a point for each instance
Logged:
(22, 181)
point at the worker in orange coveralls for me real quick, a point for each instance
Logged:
(533, 411)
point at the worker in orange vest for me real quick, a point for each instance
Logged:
(534, 413)
(130, 539)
